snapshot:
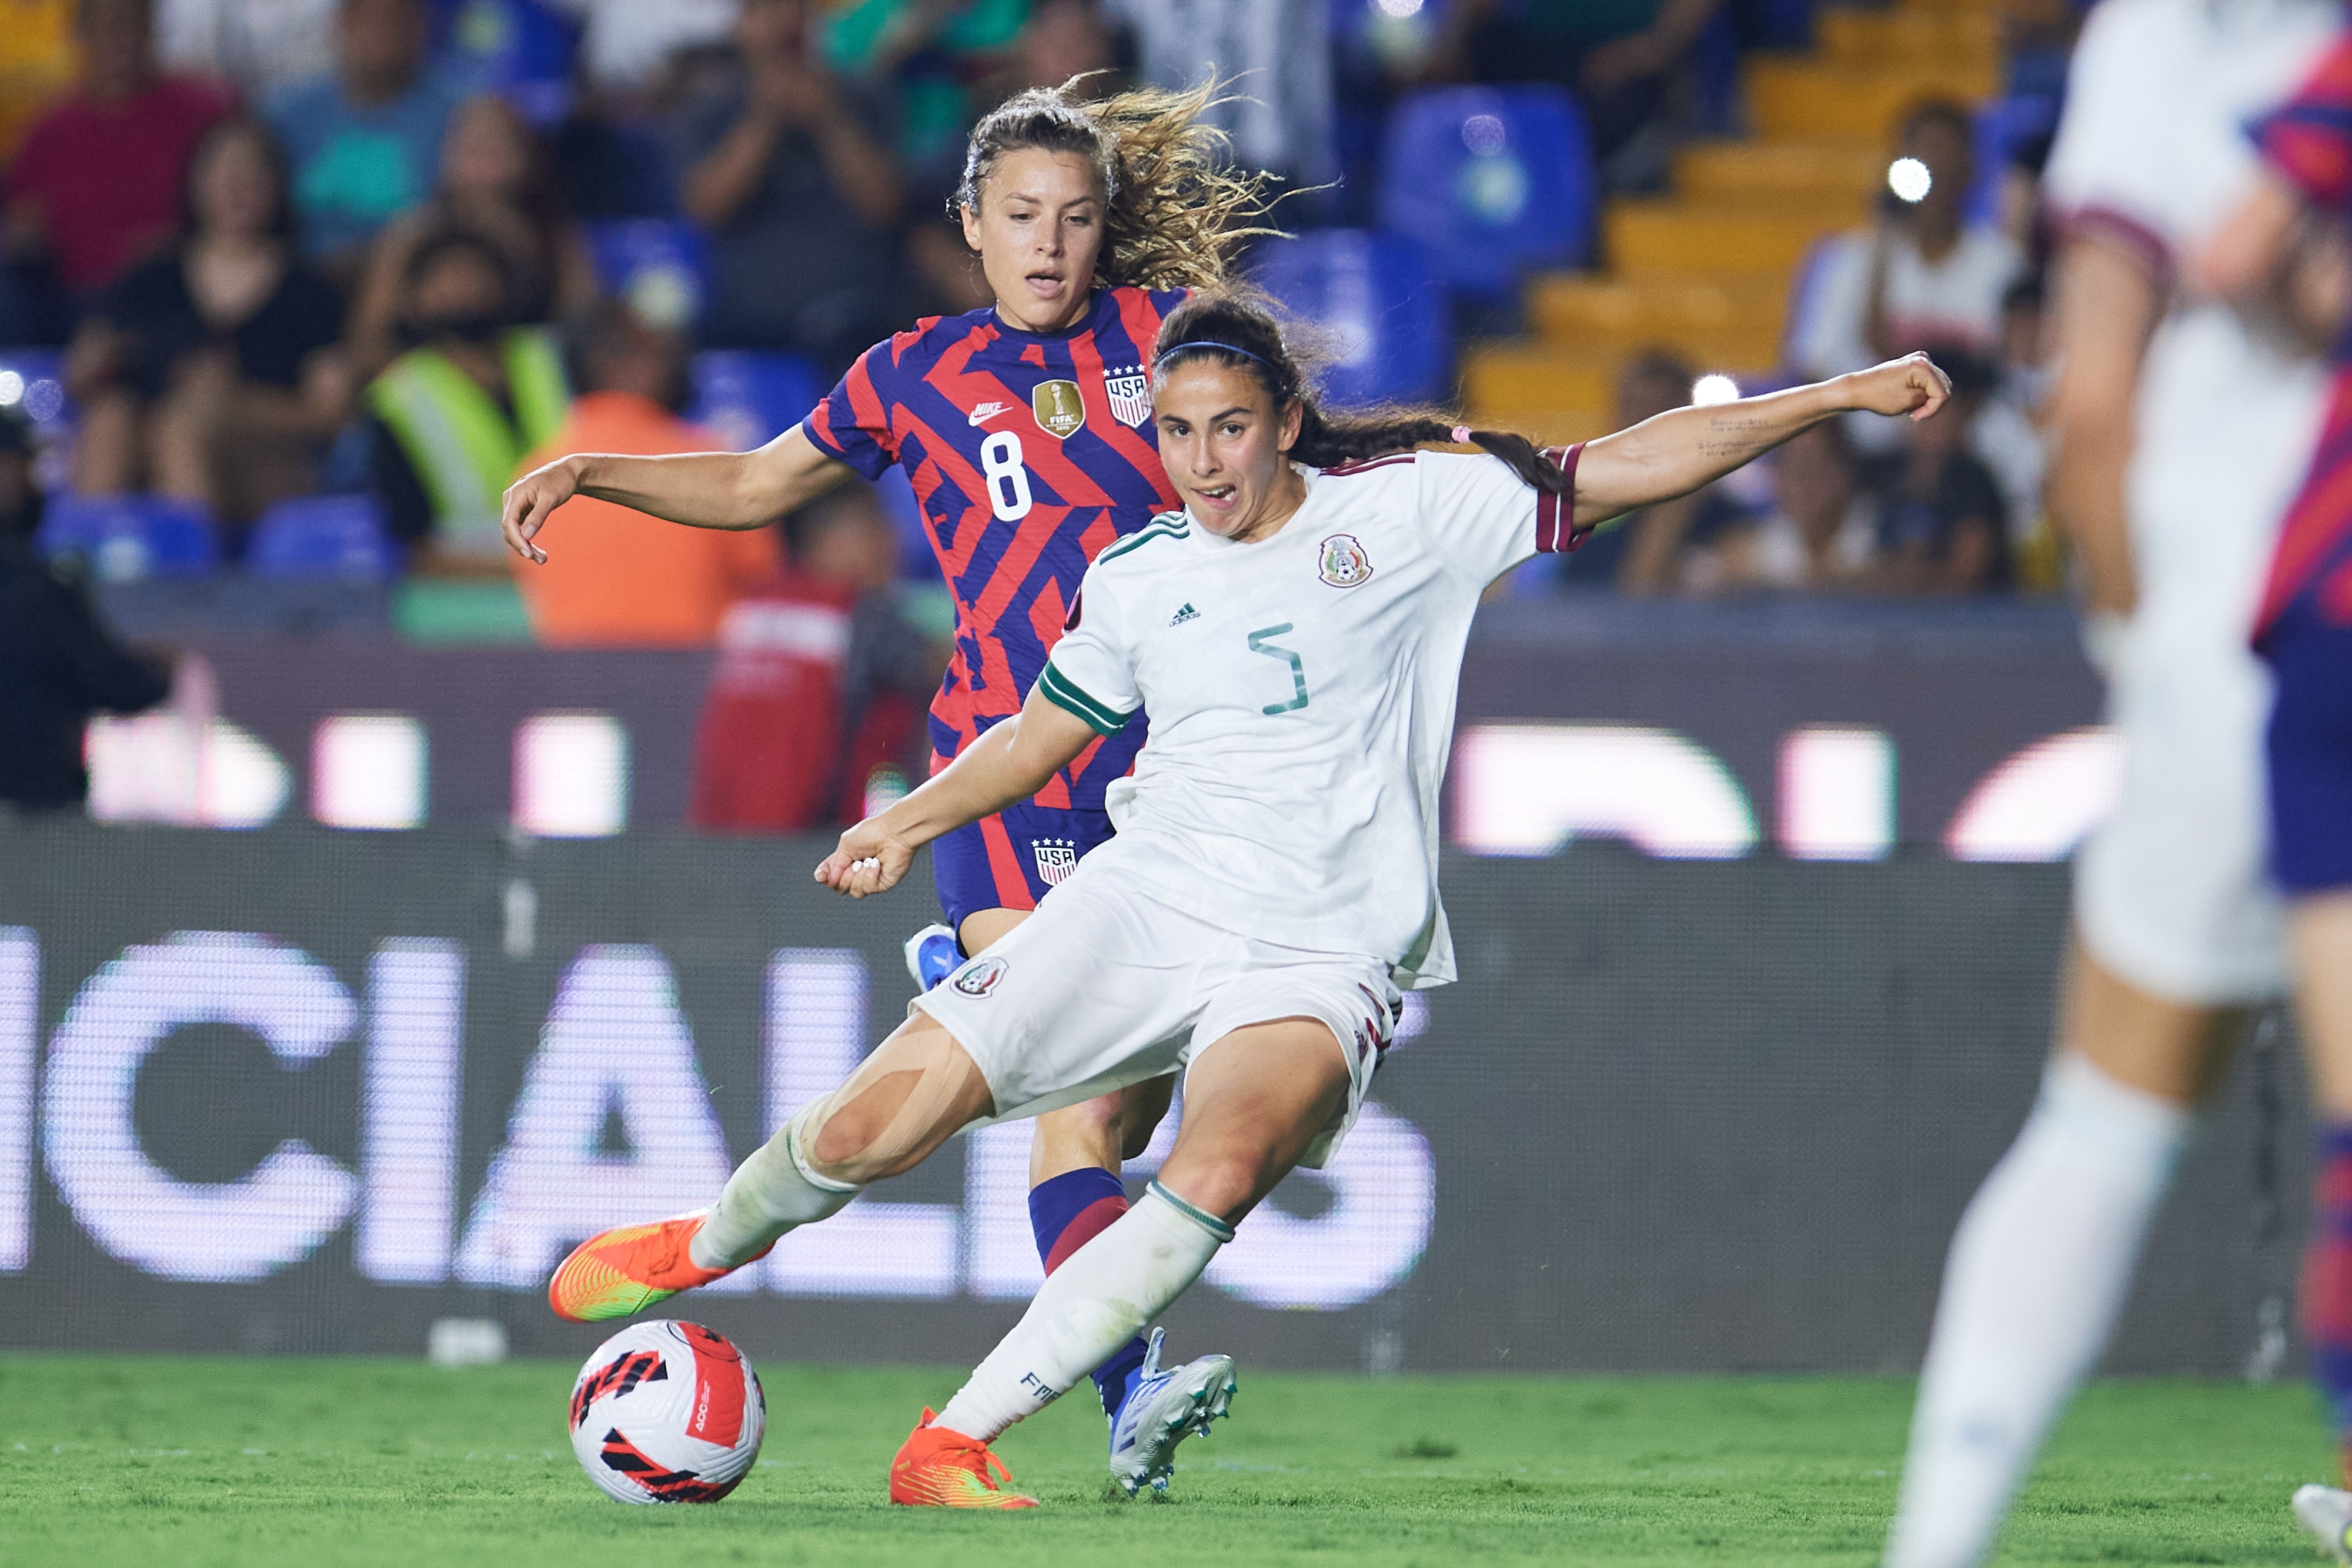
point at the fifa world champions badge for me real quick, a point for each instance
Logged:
(1130, 391)
(1060, 412)
(1343, 563)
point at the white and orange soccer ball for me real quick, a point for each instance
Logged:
(668, 1411)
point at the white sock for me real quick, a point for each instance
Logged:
(1100, 1297)
(772, 1192)
(2039, 1268)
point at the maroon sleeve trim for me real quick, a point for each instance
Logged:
(1556, 529)
(2122, 232)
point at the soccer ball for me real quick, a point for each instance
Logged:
(668, 1411)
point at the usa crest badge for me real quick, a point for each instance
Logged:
(1060, 410)
(1056, 859)
(1130, 397)
(1344, 563)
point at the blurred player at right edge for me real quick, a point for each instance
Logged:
(2182, 433)
(2264, 256)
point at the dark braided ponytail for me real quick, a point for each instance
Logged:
(1237, 327)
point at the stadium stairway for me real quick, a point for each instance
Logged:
(1707, 270)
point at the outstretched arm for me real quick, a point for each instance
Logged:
(1011, 762)
(700, 489)
(1686, 449)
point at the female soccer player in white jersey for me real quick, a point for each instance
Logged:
(1026, 429)
(1297, 636)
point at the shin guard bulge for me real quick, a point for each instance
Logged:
(1095, 1300)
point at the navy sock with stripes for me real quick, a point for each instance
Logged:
(1065, 1212)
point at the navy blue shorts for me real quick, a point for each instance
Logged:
(1008, 861)
(2310, 750)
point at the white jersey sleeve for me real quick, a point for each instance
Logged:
(2108, 172)
(1483, 519)
(1091, 671)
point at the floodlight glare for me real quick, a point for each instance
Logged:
(1909, 180)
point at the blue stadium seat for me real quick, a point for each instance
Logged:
(749, 398)
(1378, 297)
(340, 536)
(127, 537)
(1492, 180)
(2003, 126)
(660, 266)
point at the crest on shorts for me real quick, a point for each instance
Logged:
(979, 978)
(1344, 563)
(1057, 858)
(1060, 410)
(1130, 391)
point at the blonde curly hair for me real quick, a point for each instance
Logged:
(1177, 212)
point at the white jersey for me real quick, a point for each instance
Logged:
(1301, 691)
(2153, 154)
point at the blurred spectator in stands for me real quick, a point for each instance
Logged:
(788, 169)
(627, 45)
(58, 665)
(937, 61)
(1922, 274)
(452, 418)
(495, 182)
(1275, 52)
(365, 140)
(816, 703)
(215, 372)
(1619, 56)
(616, 578)
(96, 183)
(1648, 551)
(1943, 529)
(261, 46)
(1821, 534)
(1063, 39)
(2007, 437)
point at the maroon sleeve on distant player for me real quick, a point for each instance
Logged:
(2121, 231)
(1556, 529)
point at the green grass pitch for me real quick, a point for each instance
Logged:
(254, 1463)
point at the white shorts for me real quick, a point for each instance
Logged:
(1105, 985)
(2173, 893)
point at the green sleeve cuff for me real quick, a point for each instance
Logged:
(1060, 691)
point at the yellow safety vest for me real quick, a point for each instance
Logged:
(463, 446)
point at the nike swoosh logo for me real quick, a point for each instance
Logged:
(985, 411)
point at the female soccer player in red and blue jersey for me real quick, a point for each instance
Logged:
(1026, 431)
(2304, 629)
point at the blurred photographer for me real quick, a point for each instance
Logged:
(58, 665)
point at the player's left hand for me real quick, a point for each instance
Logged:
(868, 859)
(1911, 385)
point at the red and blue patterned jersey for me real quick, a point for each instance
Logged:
(1028, 452)
(2307, 143)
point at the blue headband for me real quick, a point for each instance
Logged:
(1221, 348)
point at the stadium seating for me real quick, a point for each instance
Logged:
(1707, 270)
(127, 537)
(1378, 297)
(660, 266)
(337, 537)
(1492, 180)
(748, 398)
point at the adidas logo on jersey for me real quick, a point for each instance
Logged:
(1187, 613)
(981, 413)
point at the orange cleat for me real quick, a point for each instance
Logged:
(630, 1268)
(940, 1469)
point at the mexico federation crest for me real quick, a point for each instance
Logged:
(1059, 409)
(1344, 563)
(1130, 391)
(979, 978)
(1057, 858)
